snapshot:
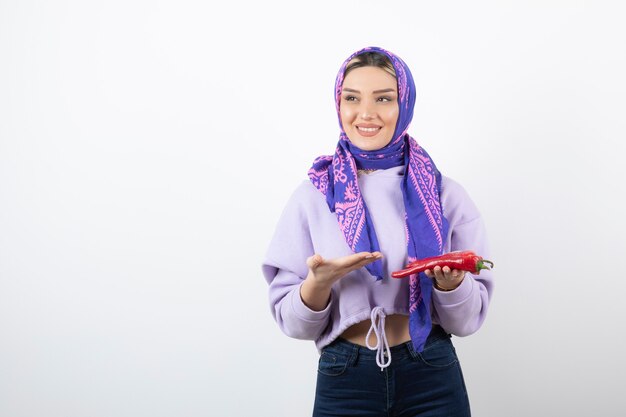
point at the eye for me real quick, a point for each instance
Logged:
(349, 98)
(385, 98)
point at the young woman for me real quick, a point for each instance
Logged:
(374, 206)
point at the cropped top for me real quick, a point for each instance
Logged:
(306, 227)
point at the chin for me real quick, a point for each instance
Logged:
(368, 144)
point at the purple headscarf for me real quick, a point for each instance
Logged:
(426, 227)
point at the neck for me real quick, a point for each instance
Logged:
(387, 157)
(365, 171)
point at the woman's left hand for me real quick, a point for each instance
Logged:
(446, 279)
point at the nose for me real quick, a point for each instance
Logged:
(367, 110)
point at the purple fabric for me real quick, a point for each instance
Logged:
(426, 227)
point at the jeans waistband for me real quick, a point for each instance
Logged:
(402, 350)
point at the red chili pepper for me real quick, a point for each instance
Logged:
(463, 260)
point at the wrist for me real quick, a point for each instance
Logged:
(315, 295)
(446, 288)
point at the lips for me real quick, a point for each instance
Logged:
(368, 130)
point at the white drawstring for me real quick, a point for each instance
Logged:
(382, 346)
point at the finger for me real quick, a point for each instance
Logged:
(359, 259)
(457, 274)
(439, 276)
(314, 261)
(452, 274)
(364, 263)
(376, 254)
(429, 273)
(446, 270)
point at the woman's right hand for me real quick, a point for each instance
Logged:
(326, 272)
(323, 273)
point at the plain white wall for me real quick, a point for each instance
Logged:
(147, 149)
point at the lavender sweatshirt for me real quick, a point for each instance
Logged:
(307, 226)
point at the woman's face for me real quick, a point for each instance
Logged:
(369, 107)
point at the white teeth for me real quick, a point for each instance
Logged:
(368, 129)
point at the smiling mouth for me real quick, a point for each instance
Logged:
(368, 131)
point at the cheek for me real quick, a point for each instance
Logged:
(347, 116)
(391, 117)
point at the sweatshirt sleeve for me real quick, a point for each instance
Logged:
(285, 269)
(463, 310)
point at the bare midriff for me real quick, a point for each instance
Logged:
(396, 330)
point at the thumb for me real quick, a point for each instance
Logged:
(314, 261)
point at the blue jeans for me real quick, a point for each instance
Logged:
(427, 384)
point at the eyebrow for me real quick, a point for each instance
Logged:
(385, 90)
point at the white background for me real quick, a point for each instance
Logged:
(147, 149)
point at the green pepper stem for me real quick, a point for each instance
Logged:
(481, 265)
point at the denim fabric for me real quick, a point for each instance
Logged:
(426, 384)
